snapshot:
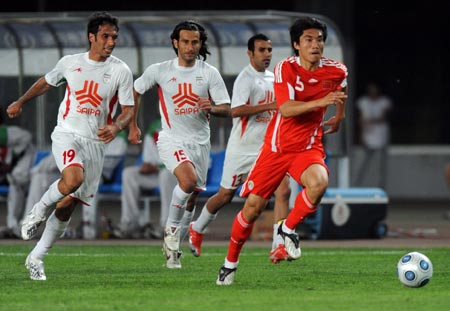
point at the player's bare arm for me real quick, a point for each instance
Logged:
(109, 131)
(248, 110)
(291, 108)
(206, 106)
(38, 88)
(334, 122)
(134, 134)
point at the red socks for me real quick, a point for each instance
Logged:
(302, 208)
(240, 232)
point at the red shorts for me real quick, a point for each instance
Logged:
(270, 168)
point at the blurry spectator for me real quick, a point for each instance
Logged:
(150, 174)
(16, 158)
(374, 108)
(46, 172)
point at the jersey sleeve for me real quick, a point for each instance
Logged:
(125, 90)
(55, 77)
(241, 91)
(218, 90)
(147, 79)
(282, 86)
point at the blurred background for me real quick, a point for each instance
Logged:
(404, 48)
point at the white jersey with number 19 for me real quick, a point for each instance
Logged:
(92, 93)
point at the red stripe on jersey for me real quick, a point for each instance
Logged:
(163, 105)
(244, 121)
(112, 102)
(66, 111)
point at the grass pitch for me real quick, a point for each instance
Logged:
(135, 278)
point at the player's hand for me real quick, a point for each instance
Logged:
(134, 135)
(14, 110)
(107, 133)
(333, 123)
(332, 98)
(204, 104)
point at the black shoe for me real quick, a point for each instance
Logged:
(226, 276)
(291, 242)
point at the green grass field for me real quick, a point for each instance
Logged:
(134, 278)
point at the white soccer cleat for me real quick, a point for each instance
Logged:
(36, 268)
(31, 224)
(226, 276)
(291, 243)
(171, 247)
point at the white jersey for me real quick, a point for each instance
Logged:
(180, 89)
(250, 88)
(92, 93)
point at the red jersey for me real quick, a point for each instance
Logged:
(293, 82)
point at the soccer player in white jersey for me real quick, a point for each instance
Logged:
(252, 107)
(190, 91)
(95, 82)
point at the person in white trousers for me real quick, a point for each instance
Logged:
(16, 158)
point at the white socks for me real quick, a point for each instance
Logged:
(203, 220)
(54, 229)
(177, 207)
(48, 199)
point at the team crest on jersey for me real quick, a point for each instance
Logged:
(89, 94)
(199, 80)
(185, 99)
(106, 78)
(250, 185)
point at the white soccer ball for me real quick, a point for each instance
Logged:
(414, 269)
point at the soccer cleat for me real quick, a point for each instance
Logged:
(171, 247)
(226, 276)
(195, 241)
(172, 257)
(31, 224)
(291, 243)
(278, 254)
(36, 268)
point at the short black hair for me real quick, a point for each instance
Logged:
(251, 41)
(303, 23)
(97, 19)
(194, 26)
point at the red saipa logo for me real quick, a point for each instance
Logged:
(185, 100)
(89, 95)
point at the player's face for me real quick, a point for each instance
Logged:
(310, 48)
(188, 47)
(103, 43)
(261, 57)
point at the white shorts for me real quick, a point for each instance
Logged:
(173, 153)
(70, 149)
(235, 169)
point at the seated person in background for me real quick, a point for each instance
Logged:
(46, 172)
(16, 157)
(149, 175)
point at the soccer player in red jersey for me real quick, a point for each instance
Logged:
(305, 85)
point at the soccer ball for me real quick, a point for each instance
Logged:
(414, 269)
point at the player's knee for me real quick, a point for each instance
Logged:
(70, 185)
(65, 208)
